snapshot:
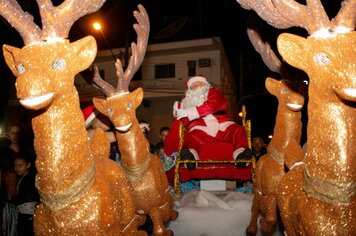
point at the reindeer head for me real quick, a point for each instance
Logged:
(121, 109)
(286, 96)
(329, 62)
(46, 70)
(46, 66)
(120, 105)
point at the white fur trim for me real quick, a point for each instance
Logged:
(195, 153)
(211, 126)
(89, 119)
(223, 126)
(237, 152)
(192, 113)
(196, 79)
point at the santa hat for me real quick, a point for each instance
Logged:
(89, 115)
(196, 79)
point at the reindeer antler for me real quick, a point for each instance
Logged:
(347, 15)
(263, 48)
(101, 84)
(138, 53)
(21, 21)
(267, 11)
(56, 21)
(312, 16)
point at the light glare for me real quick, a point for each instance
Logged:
(97, 26)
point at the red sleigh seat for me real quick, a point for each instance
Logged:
(215, 161)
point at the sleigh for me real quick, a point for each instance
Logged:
(215, 163)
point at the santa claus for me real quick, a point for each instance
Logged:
(203, 112)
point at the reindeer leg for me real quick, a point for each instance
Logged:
(270, 219)
(158, 227)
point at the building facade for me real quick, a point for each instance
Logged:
(162, 76)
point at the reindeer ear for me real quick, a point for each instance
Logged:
(270, 84)
(138, 95)
(84, 53)
(100, 105)
(293, 49)
(9, 55)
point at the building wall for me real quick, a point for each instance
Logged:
(160, 94)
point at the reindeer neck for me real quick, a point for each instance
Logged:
(288, 126)
(331, 142)
(329, 173)
(61, 144)
(134, 149)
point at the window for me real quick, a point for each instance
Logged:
(165, 71)
(204, 62)
(192, 66)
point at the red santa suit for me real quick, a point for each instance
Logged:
(209, 123)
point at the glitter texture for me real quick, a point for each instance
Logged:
(328, 206)
(82, 193)
(270, 167)
(143, 170)
(318, 198)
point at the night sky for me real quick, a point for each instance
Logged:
(201, 19)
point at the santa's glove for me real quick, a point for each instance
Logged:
(181, 113)
(176, 106)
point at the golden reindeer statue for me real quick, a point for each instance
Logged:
(326, 204)
(144, 171)
(80, 195)
(288, 125)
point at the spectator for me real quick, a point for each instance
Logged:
(162, 136)
(159, 147)
(258, 147)
(27, 197)
(95, 120)
(16, 144)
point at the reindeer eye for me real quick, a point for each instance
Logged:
(129, 106)
(20, 68)
(284, 91)
(59, 64)
(322, 58)
(110, 111)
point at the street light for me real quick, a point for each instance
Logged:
(97, 26)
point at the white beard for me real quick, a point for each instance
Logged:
(195, 97)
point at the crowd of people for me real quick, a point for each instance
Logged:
(203, 112)
(19, 196)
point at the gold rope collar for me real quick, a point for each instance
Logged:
(61, 200)
(137, 172)
(327, 190)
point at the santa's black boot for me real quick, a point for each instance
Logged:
(185, 154)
